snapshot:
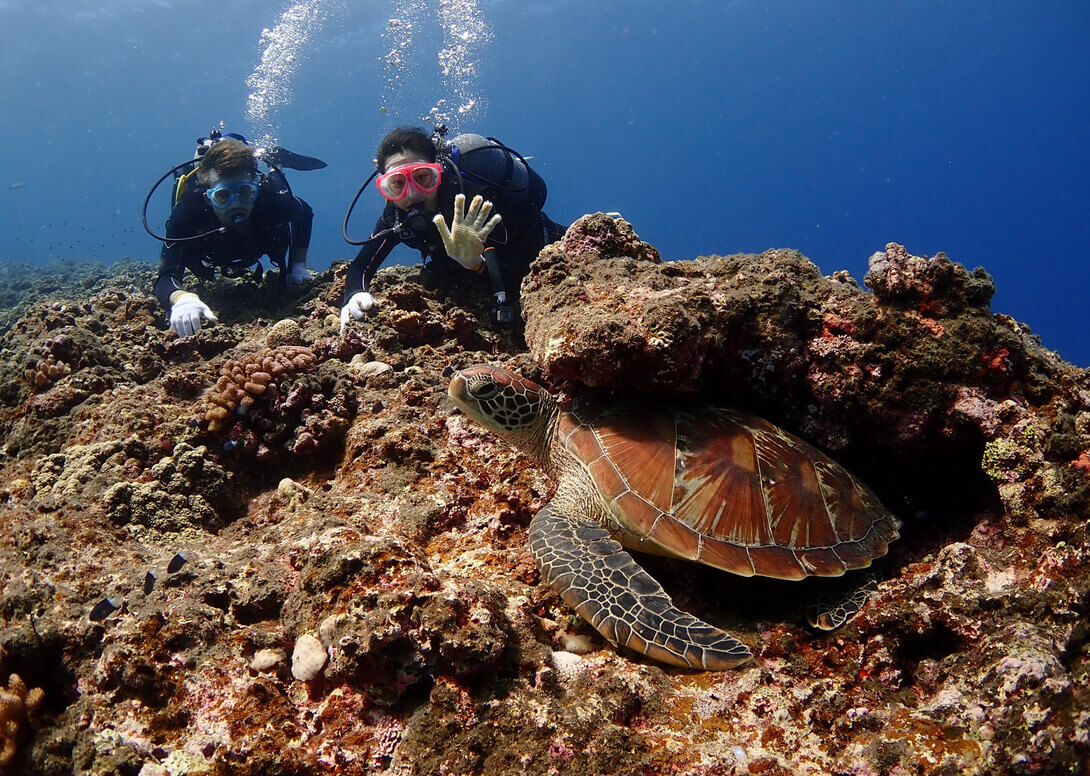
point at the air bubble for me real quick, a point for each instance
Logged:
(283, 49)
(466, 36)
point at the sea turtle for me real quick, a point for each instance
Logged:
(706, 484)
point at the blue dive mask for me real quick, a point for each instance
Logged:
(223, 195)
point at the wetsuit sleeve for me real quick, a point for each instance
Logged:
(184, 221)
(301, 217)
(369, 259)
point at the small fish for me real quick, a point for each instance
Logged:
(105, 608)
(176, 563)
(16, 185)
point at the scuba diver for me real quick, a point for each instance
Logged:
(426, 182)
(226, 214)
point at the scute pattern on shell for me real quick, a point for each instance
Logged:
(730, 490)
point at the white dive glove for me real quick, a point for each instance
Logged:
(359, 303)
(464, 240)
(300, 273)
(186, 311)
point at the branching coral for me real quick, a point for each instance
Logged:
(266, 405)
(54, 362)
(242, 381)
(43, 372)
(17, 706)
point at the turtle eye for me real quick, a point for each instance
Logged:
(484, 391)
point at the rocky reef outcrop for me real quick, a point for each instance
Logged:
(272, 548)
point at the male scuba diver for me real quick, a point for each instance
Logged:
(228, 220)
(426, 183)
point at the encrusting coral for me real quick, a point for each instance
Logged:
(17, 707)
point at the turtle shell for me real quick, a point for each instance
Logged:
(729, 490)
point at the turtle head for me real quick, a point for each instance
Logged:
(517, 409)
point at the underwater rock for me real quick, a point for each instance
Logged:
(186, 490)
(392, 532)
(266, 659)
(934, 286)
(598, 235)
(368, 369)
(770, 333)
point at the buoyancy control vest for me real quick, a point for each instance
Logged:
(487, 167)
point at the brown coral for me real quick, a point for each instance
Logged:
(284, 332)
(46, 371)
(17, 707)
(242, 381)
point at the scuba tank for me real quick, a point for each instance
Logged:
(185, 173)
(512, 185)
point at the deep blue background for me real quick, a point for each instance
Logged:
(714, 127)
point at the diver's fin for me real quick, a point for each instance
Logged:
(282, 157)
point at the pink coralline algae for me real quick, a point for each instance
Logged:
(599, 236)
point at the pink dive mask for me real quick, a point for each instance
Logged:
(422, 176)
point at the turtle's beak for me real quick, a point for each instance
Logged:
(458, 392)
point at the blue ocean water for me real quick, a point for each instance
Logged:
(714, 127)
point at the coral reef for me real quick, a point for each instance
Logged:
(17, 707)
(265, 409)
(244, 381)
(284, 332)
(184, 490)
(336, 578)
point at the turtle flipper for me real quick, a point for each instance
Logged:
(830, 612)
(595, 576)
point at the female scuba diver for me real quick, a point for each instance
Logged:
(228, 221)
(426, 183)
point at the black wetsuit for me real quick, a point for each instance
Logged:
(279, 226)
(517, 240)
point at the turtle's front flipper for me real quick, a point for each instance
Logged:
(595, 576)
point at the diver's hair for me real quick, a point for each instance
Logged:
(411, 139)
(228, 158)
